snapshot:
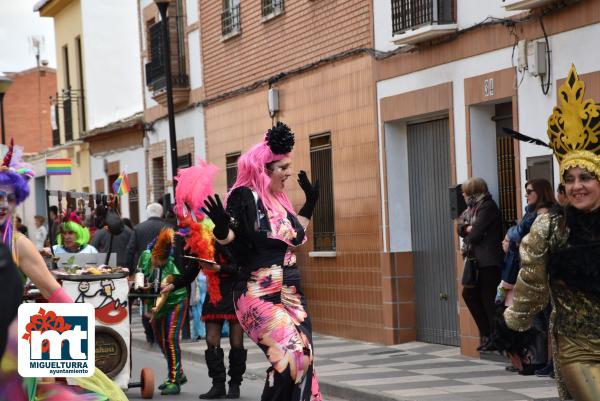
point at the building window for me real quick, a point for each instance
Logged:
(67, 76)
(55, 123)
(80, 102)
(321, 169)
(230, 18)
(65, 97)
(155, 72)
(231, 168)
(412, 14)
(184, 161)
(271, 8)
(134, 199)
(158, 178)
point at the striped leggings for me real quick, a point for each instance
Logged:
(167, 330)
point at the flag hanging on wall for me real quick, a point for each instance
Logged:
(121, 185)
(58, 166)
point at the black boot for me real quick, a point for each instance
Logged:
(216, 371)
(237, 367)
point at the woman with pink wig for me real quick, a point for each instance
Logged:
(262, 231)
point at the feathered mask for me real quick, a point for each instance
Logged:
(163, 246)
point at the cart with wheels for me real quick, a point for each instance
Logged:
(108, 292)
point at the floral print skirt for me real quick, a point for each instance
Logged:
(272, 312)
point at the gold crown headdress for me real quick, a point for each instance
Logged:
(574, 128)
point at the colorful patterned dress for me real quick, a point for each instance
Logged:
(268, 296)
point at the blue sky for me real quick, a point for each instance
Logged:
(18, 23)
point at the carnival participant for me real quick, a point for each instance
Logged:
(560, 257)
(194, 184)
(263, 230)
(169, 312)
(73, 236)
(14, 189)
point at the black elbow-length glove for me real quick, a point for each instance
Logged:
(214, 209)
(311, 192)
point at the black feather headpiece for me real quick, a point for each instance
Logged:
(280, 139)
(524, 138)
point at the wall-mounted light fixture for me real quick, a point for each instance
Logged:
(273, 101)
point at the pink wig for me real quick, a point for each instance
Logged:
(252, 173)
(194, 184)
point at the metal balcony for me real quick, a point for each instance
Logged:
(415, 21)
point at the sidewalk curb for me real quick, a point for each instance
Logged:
(333, 390)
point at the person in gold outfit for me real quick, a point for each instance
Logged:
(561, 255)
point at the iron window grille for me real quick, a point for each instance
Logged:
(412, 14)
(272, 7)
(321, 169)
(56, 132)
(231, 168)
(64, 101)
(68, 119)
(155, 69)
(230, 18)
(158, 178)
(184, 161)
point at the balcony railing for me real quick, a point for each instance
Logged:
(155, 69)
(271, 7)
(412, 14)
(230, 21)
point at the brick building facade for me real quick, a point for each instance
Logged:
(27, 108)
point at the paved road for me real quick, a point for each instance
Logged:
(197, 374)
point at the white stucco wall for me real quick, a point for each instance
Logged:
(132, 161)
(111, 52)
(483, 139)
(188, 124)
(191, 9)
(534, 107)
(195, 59)
(396, 142)
(468, 12)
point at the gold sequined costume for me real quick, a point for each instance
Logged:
(560, 257)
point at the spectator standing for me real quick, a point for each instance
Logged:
(41, 232)
(480, 226)
(22, 228)
(143, 234)
(101, 242)
(540, 199)
(53, 225)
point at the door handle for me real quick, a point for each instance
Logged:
(443, 296)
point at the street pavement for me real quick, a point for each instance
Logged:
(362, 371)
(197, 373)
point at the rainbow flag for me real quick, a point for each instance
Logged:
(121, 185)
(58, 166)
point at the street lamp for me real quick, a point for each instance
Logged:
(5, 83)
(163, 5)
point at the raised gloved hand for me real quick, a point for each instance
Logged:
(311, 192)
(214, 209)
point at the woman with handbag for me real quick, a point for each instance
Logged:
(540, 199)
(480, 226)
